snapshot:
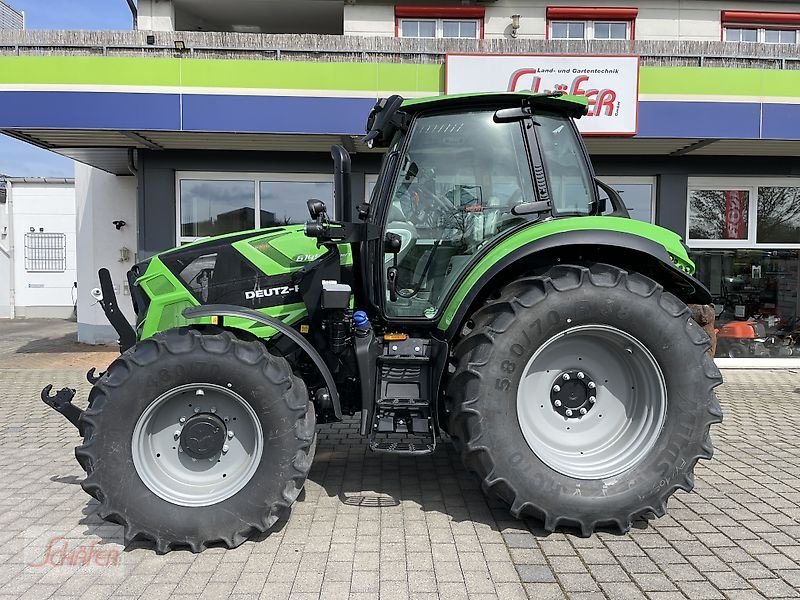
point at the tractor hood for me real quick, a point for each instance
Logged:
(260, 270)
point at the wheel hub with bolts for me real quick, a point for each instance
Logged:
(572, 394)
(203, 436)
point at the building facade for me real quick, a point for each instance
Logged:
(38, 276)
(184, 134)
(11, 18)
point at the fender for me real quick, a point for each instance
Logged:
(620, 248)
(228, 310)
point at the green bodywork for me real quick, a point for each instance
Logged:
(282, 250)
(671, 241)
(273, 251)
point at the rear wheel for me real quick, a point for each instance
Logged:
(195, 438)
(583, 397)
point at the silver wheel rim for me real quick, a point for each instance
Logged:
(619, 427)
(170, 472)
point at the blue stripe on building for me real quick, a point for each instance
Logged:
(90, 110)
(343, 116)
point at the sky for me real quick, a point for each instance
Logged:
(24, 160)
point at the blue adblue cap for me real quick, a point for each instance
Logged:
(360, 319)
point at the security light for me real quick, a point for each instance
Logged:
(514, 25)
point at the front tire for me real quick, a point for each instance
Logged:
(584, 397)
(196, 438)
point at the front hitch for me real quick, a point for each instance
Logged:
(62, 402)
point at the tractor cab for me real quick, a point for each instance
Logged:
(460, 174)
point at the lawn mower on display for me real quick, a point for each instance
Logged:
(485, 295)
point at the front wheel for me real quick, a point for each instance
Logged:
(584, 397)
(195, 438)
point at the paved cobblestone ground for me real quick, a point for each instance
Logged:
(372, 526)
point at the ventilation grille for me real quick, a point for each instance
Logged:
(45, 252)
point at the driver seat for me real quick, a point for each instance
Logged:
(398, 224)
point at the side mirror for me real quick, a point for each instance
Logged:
(316, 208)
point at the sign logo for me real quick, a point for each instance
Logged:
(609, 83)
(275, 291)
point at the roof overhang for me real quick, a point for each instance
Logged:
(111, 151)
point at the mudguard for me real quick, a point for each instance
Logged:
(619, 243)
(224, 310)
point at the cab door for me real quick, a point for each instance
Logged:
(458, 177)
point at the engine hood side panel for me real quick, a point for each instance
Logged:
(260, 270)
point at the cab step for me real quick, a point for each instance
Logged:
(402, 418)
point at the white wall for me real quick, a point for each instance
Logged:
(369, 19)
(49, 208)
(155, 15)
(5, 263)
(103, 198)
(657, 20)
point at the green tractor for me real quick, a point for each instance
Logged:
(493, 293)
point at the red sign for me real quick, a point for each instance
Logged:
(735, 215)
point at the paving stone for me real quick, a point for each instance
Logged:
(373, 527)
(535, 574)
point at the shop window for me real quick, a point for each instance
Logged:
(755, 294)
(284, 202)
(764, 27)
(638, 194)
(744, 235)
(599, 23)
(778, 215)
(718, 214)
(213, 204)
(210, 207)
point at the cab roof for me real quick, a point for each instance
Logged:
(574, 106)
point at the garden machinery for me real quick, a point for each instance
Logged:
(487, 293)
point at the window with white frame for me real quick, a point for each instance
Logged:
(744, 237)
(760, 34)
(743, 212)
(216, 203)
(590, 30)
(439, 28)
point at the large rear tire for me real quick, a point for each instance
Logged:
(196, 438)
(584, 397)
